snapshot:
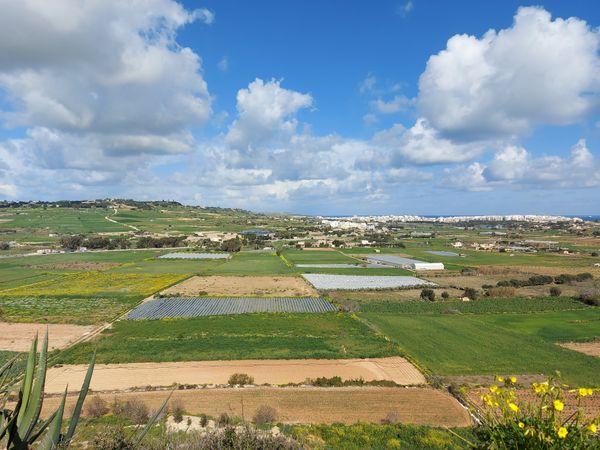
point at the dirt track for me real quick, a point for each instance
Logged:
(17, 337)
(233, 286)
(588, 348)
(111, 377)
(422, 406)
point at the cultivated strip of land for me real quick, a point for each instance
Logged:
(17, 337)
(111, 377)
(421, 406)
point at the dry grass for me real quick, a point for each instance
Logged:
(17, 337)
(422, 406)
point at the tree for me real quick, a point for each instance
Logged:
(231, 245)
(4, 246)
(555, 291)
(471, 293)
(428, 294)
(72, 242)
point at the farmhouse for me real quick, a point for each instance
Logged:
(404, 263)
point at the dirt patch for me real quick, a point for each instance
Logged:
(421, 406)
(75, 266)
(241, 286)
(110, 377)
(17, 337)
(587, 348)
(389, 295)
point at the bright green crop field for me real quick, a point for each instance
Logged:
(496, 344)
(246, 336)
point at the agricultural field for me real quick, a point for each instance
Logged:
(250, 263)
(327, 282)
(210, 306)
(474, 344)
(253, 336)
(256, 286)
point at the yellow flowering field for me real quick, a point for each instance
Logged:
(96, 283)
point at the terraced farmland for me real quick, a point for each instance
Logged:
(216, 306)
(354, 282)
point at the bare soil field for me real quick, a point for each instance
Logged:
(17, 337)
(390, 295)
(232, 286)
(112, 377)
(421, 406)
(588, 348)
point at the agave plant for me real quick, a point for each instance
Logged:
(21, 426)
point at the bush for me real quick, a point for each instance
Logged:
(538, 280)
(240, 379)
(96, 407)
(391, 418)
(564, 278)
(176, 408)
(594, 254)
(501, 292)
(584, 276)
(445, 295)
(111, 438)
(134, 410)
(428, 294)
(590, 297)
(224, 419)
(203, 420)
(555, 291)
(265, 414)
(471, 293)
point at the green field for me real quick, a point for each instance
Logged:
(489, 344)
(318, 257)
(249, 263)
(73, 310)
(250, 336)
(483, 306)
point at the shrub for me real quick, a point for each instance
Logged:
(590, 297)
(584, 276)
(265, 414)
(240, 379)
(471, 293)
(111, 438)
(469, 272)
(428, 294)
(512, 422)
(203, 420)
(96, 407)
(391, 418)
(564, 278)
(501, 292)
(555, 291)
(594, 254)
(445, 295)
(538, 280)
(224, 419)
(134, 410)
(176, 408)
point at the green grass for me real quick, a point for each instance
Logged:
(74, 310)
(562, 326)
(318, 257)
(472, 345)
(378, 437)
(251, 336)
(154, 265)
(483, 306)
(246, 263)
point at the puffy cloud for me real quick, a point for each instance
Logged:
(422, 144)
(468, 178)
(136, 92)
(264, 111)
(538, 71)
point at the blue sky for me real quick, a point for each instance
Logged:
(334, 107)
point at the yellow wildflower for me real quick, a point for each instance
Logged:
(500, 379)
(592, 428)
(513, 407)
(521, 425)
(590, 392)
(513, 380)
(562, 432)
(583, 392)
(494, 389)
(540, 388)
(558, 405)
